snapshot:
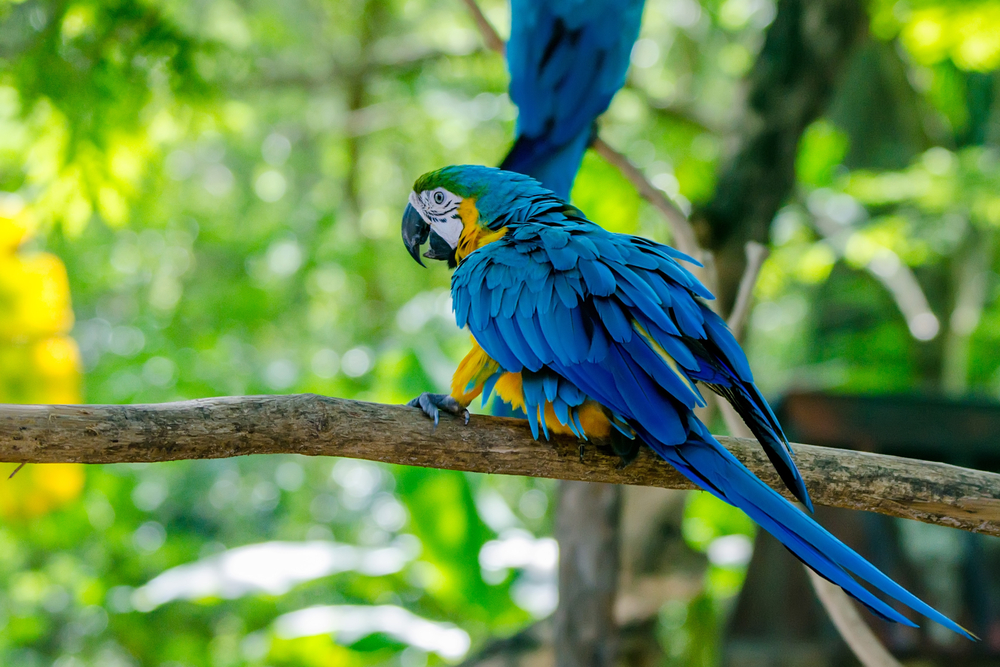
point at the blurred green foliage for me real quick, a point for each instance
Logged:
(221, 182)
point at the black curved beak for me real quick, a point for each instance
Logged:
(415, 232)
(440, 249)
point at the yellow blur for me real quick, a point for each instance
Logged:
(39, 362)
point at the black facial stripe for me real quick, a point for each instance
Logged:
(442, 212)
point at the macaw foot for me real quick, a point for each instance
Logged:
(432, 404)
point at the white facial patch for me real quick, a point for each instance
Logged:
(439, 209)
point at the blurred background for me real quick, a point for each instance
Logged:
(202, 198)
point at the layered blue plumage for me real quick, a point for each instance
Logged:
(567, 59)
(584, 313)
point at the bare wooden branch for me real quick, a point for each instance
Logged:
(897, 278)
(683, 234)
(486, 29)
(320, 426)
(852, 627)
(756, 254)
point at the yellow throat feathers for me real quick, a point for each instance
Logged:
(473, 236)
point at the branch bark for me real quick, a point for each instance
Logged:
(320, 426)
(493, 40)
(756, 254)
(684, 238)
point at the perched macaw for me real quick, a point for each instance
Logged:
(604, 335)
(567, 59)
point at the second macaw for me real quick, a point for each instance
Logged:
(567, 59)
(600, 334)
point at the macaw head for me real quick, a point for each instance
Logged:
(457, 209)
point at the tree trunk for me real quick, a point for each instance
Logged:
(789, 87)
(587, 527)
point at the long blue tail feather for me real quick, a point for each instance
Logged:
(751, 406)
(554, 165)
(712, 467)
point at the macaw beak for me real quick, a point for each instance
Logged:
(415, 232)
(441, 250)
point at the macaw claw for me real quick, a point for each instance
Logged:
(432, 404)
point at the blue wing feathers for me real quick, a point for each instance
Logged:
(516, 344)
(510, 300)
(647, 359)
(672, 344)
(550, 331)
(488, 386)
(642, 396)
(554, 238)
(567, 294)
(606, 248)
(583, 247)
(579, 340)
(599, 345)
(496, 300)
(533, 337)
(597, 277)
(718, 332)
(633, 283)
(563, 259)
(613, 319)
(703, 460)
(690, 318)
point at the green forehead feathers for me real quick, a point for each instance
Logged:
(462, 180)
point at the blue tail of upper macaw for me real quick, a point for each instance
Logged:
(567, 59)
(552, 164)
(712, 467)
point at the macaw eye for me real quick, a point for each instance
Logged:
(438, 197)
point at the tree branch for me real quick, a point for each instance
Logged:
(893, 273)
(859, 636)
(684, 238)
(756, 256)
(486, 29)
(319, 426)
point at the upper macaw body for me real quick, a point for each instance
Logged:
(597, 334)
(567, 59)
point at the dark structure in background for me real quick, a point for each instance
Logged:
(958, 572)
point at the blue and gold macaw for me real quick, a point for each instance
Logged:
(605, 335)
(567, 59)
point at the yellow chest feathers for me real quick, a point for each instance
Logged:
(473, 236)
